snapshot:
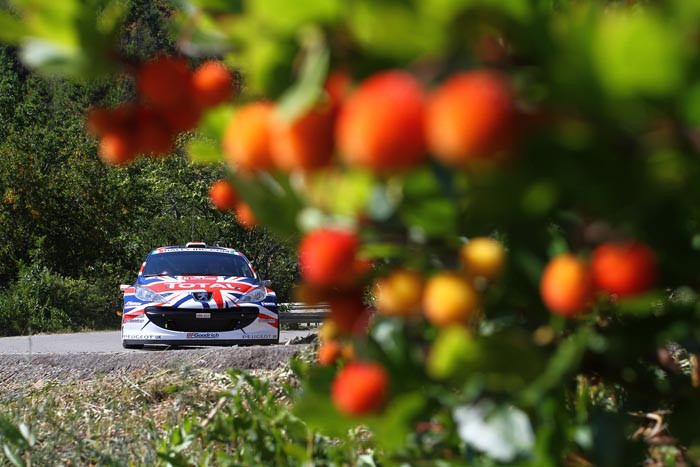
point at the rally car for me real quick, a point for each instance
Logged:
(198, 295)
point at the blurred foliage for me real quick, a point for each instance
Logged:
(608, 91)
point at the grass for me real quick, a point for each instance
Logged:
(111, 419)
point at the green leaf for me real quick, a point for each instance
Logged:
(451, 349)
(285, 17)
(315, 408)
(636, 52)
(12, 456)
(214, 122)
(27, 434)
(642, 305)
(395, 30)
(449, 9)
(204, 151)
(564, 362)
(272, 200)
(308, 89)
(11, 29)
(398, 421)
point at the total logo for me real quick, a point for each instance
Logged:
(202, 335)
(200, 285)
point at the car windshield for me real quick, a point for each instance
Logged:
(197, 263)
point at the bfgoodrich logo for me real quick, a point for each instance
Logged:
(202, 335)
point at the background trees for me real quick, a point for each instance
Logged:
(73, 229)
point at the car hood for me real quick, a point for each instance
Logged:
(195, 292)
(231, 284)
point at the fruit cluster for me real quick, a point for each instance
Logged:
(388, 123)
(170, 100)
(224, 198)
(621, 269)
(332, 271)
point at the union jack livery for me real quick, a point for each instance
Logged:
(198, 295)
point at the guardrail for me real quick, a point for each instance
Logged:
(298, 313)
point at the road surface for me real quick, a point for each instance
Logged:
(86, 342)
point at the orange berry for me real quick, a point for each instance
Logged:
(449, 299)
(245, 215)
(566, 285)
(211, 84)
(483, 257)
(348, 352)
(116, 148)
(165, 81)
(624, 269)
(304, 144)
(329, 352)
(327, 257)
(329, 331)
(246, 140)
(360, 388)
(222, 195)
(470, 116)
(399, 293)
(380, 126)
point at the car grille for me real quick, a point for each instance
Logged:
(219, 320)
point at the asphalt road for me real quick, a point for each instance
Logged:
(85, 342)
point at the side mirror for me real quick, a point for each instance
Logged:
(267, 282)
(123, 287)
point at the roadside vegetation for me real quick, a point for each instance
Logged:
(177, 416)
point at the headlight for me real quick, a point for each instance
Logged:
(255, 295)
(147, 295)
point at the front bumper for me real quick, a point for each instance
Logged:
(249, 325)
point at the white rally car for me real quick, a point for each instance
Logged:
(198, 295)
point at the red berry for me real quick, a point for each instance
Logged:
(165, 81)
(152, 134)
(624, 269)
(211, 84)
(338, 85)
(99, 121)
(327, 257)
(349, 313)
(360, 388)
(470, 116)
(304, 144)
(184, 116)
(380, 126)
(222, 195)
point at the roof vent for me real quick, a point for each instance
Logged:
(196, 245)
